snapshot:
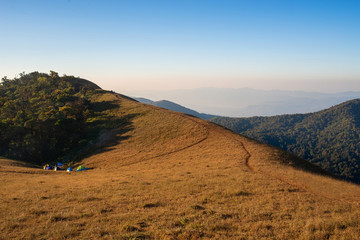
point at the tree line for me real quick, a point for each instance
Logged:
(46, 118)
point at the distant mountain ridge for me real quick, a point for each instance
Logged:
(247, 102)
(328, 138)
(175, 107)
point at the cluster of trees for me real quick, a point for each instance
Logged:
(45, 118)
(329, 138)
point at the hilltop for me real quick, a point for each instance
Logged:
(328, 138)
(46, 118)
(167, 175)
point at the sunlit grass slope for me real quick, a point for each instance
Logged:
(166, 175)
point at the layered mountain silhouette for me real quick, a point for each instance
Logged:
(175, 107)
(248, 102)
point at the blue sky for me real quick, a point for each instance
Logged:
(173, 44)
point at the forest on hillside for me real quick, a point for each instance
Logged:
(328, 138)
(46, 118)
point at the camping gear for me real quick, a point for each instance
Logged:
(69, 169)
(61, 166)
(81, 168)
(49, 168)
(45, 166)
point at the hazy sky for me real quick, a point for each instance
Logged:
(171, 44)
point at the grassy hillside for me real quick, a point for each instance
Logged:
(329, 138)
(165, 175)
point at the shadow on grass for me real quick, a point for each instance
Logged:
(110, 133)
(106, 130)
(302, 164)
(99, 107)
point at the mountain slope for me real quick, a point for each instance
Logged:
(166, 175)
(329, 138)
(175, 107)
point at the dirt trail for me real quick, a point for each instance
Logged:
(171, 152)
(256, 170)
(298, 185)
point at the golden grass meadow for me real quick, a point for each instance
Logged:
(173, 176)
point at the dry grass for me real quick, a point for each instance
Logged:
(176, 177)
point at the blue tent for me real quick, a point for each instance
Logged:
(49, 168)
(59, 164)
(69, 169)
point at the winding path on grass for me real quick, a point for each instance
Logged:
(249, 158)
(207, 132)
(285, 180)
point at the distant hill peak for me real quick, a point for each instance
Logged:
(175, 107)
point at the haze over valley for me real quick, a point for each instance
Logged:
(247, 102)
